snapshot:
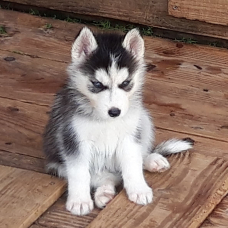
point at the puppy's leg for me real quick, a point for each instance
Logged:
(79, 200)
(105, 184)
(131, 163)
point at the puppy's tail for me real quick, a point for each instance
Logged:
(174, 146)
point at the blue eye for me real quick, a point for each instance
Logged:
(98, 85)
(124, 84)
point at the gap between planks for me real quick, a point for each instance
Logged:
(147, 12)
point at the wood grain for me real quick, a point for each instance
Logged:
(24, 97)
(190, 73)
(30, 81)
(25, 195)
(219, 217)
(211, 11)
(22, 126)
(183, 196)
(58, 217)
(22, 161)
(147, 12)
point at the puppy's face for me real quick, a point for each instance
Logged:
(108, 69)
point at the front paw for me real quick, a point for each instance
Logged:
(140, 195)
(156, 163)
(79, 206)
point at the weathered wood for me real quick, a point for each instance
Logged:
(168, 112)
(22, 127)
(202, 145)
(212, 11)
(25, 195)
(30, 81)
(190, 73)
(24, 28)
(183, 81)
(219, 217)
(147, 12)
(183, 196)
(22, 161)
(58, 217)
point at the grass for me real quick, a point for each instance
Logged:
(3, 30)
(107, 25)
(69, 19)
(18, 52)
(34, 12)
(148, 31)
(48, 26)
(214, 44)
(187, 40)
(102, 24)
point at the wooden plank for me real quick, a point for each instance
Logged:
(189, 72)
(183, 196)
(147, 12)
(212, 11)
(23, 28)
(177, 68)
(22, 127)
(31, 96)
(31, 81)
(202, 145)
(58, 217)
(22, 161)
(24, 103)
(25, 195)
(219, 217)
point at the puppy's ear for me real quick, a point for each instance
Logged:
(134, 43)
(84, 45)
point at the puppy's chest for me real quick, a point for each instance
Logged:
(105, 141)
(104, 136)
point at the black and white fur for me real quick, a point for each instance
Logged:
(99, 132)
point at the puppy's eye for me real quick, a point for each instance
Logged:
(98, 85)
(124, 84)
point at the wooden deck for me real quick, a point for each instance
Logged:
(187, 93)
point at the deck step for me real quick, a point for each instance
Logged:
(25, 195)
(183, 196)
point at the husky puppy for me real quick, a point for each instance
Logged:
(99, 132)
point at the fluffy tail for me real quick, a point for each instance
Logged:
(174, 146)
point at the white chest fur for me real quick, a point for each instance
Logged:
(105, 137)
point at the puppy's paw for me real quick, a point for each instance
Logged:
(142, 195)
(78, 206)
(104, 195)
(156, 163)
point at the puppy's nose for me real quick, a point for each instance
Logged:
(114, 112)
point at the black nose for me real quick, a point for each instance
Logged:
(114, 112)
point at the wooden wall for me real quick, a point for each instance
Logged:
(211, 11)
(147, 12)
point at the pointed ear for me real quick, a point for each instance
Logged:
(84, 45)
(134, 43)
